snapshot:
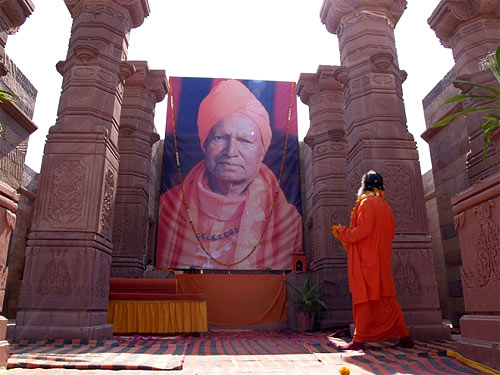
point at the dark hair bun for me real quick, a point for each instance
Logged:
(373, 180)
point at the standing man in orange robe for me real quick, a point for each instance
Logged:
(368, 242)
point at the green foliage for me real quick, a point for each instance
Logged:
(6, 96)
(492, 121)
(307, 298)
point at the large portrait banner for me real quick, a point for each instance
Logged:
(230, 188)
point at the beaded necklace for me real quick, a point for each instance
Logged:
(186, 203)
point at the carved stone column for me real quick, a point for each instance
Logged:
(8, 208)
(13, 13)
(471, 29)
(68, 258)
(378, 138)
(448, 147)
(326, 177)
(137, 135)
(477, 220)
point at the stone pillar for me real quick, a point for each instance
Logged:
(471, 29)
(8, 207)
(326, 176)
(17, 246)
(378, 138)
(448, 147)
(477, 220)
(137, 135)
(13, 13)
(68, 259)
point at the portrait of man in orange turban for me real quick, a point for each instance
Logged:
(229, 212)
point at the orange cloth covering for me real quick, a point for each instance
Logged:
(215, 214)
(239, 300)
(157, 316)
(368, 242)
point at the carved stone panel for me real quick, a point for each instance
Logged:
(55, 278)
(75, 277)
(66, 197)
(414, 278)
(485, 267)
(354, 182)
(121, 229)
(399, 186)
(406, 278)
(105, 217)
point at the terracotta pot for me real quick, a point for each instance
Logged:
(305, 322)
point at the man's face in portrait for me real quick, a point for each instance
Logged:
(234, 149)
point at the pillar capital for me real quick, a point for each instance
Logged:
(335, 12)
(323, 80)
(137, 9)
(449, 15)
(152, 80)
(324, 95)
(13, 13)
(16, 11)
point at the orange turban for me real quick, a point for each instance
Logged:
(228, 97)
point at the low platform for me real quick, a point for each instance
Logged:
(154, 306)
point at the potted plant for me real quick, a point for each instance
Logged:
(491, 126)
(307, 302)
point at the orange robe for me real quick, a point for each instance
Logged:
(368, 241)
(228, 227)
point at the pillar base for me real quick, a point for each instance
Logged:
(334, 291)
(56, 324)
(424, 332)
(99, 332)
(430, 331)
(4, 345)
(426, 325)
(4, 353)
(480, 341)
(126, 267)
(335, 319)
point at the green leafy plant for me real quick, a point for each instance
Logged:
(6, 96)
(492, 121)
(307, 299)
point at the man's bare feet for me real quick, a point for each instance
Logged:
(353, 345)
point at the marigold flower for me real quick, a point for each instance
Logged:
(344, 370)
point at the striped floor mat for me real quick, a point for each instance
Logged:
(237, 352)
(428, 357)
(118, 354)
